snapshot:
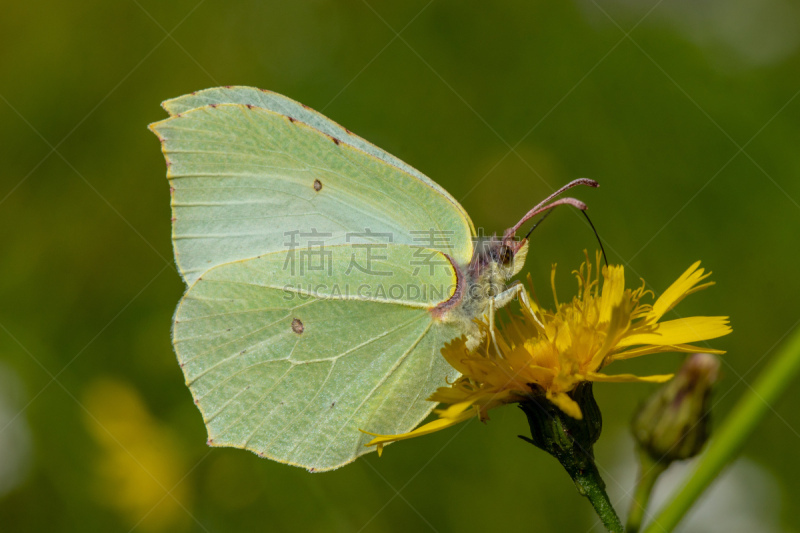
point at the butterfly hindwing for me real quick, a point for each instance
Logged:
(293, 374)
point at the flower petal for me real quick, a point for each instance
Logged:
(646, 350)
(680, 289)
(455, 352)
(454, 394)
(681, 331)
(613, 291)
(455, 410)
(628, 378)
(566, 404)
(440, 423)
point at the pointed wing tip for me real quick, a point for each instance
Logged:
(169, 105)
(154, 127)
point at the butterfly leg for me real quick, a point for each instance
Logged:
(492, 309)
(501, 300)
(515, 290)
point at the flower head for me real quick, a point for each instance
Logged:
(551, 352)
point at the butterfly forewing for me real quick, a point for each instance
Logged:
(286, 106)
(243, 179)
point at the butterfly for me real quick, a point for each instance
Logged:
(323, 276)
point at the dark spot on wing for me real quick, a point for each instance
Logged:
(348, 131)
(297, 326)
(335, 140)
(229, 86)
(305, 106)
(317, 185)
(290, 119)
(333, 404)
(249, 106)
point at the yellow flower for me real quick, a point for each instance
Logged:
(546, 352)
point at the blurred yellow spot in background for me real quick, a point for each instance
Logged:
(138, 468)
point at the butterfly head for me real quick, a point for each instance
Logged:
(509, 252)
(495, 262)
(508, 255)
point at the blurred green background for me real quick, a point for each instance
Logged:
(685, 112)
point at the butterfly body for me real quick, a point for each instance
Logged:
(484, 279)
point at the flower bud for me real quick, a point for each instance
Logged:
(674, 423)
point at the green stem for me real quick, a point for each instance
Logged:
(649, 472)
(737, 427)
(570, 441)
(591, 485)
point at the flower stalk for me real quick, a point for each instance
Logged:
(649, 472)
(781, 372)
(672, 425)
(571, 442)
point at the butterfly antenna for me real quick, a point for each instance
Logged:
(595, 234)
(546, 214)
(549, 203)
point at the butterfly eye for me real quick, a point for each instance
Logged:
(505, 255)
